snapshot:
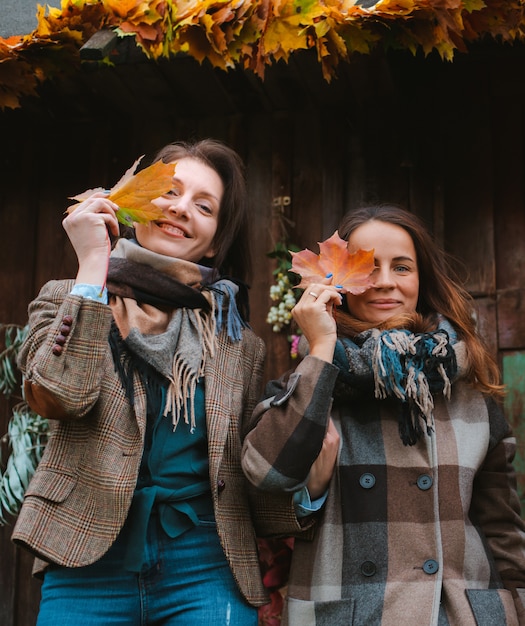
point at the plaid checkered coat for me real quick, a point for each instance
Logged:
(423, 535)
(80, 495)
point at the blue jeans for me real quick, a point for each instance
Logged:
(183, 581)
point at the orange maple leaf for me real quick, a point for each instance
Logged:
(350, 271)
(134, 192)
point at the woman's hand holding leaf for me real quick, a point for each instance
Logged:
(314, 314)
(325, 277)
(87, 228)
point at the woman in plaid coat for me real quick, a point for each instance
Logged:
(389, 433)
(139, 511)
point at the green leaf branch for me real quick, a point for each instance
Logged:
(27, 431)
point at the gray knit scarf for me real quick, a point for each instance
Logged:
(403, 365)
(167, 314)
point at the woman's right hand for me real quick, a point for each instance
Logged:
(323, 467)
(314, 314)
(87, 228)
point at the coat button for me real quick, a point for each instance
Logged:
(424, 482)
(56, 350)
(430, 566)
(221, 485)
(67, 320)
(368, 568)
(367, 480)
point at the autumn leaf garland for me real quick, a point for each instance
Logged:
(252, 34)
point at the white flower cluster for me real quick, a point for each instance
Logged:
(279, 315)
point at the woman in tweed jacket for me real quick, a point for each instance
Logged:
(139, 511)
(390, 425)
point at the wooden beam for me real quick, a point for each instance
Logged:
(98, 46)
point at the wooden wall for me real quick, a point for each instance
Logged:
(445, 140)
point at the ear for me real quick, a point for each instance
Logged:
(211, 252)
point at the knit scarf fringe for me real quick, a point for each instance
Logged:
(171, 359)
(183, 380)
(410, 367)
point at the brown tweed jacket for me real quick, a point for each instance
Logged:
(423, 535)
(80, 495)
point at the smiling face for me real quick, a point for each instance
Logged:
(190, 214)
(396, 278)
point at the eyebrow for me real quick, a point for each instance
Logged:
(403, 258)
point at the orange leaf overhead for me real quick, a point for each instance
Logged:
(134, 192)
(351, 271)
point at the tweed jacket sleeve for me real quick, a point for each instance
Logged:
(63, 381)
(292, 417)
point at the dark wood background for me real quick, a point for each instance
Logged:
(444, 139)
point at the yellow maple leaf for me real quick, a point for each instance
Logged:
(134, 192)
(349, 270)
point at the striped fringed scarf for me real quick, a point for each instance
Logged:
(167, 314)
(404, 365)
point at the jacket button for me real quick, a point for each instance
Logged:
(60, 339)
(67, 320)
(367, 480)
(430, 566)
(221, 485)
(368, 568)
(56, 350)
(424, 482)
(65, 329)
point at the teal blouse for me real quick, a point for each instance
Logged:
(173, 480)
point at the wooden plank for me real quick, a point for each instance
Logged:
(18, 217)
(333, 155)
(55, 257)
(194, 89)
(99, 45)
(511, 319)
(514, 407)
(464, 139)
(281, 225)
(418, 101)
(306, 209)
(280, 90)
(8, 577)
(110, 91)
(27, 599)
(486, 318)
(509, 189)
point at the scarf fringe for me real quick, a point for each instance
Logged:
(234, 320)
(167, 315)
(411, 367)
(183, 380)
(400, 365)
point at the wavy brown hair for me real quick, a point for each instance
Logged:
(440, 292)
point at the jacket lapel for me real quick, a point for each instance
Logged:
(219, 371)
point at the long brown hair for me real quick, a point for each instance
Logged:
(232, 239)
(440, 292)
